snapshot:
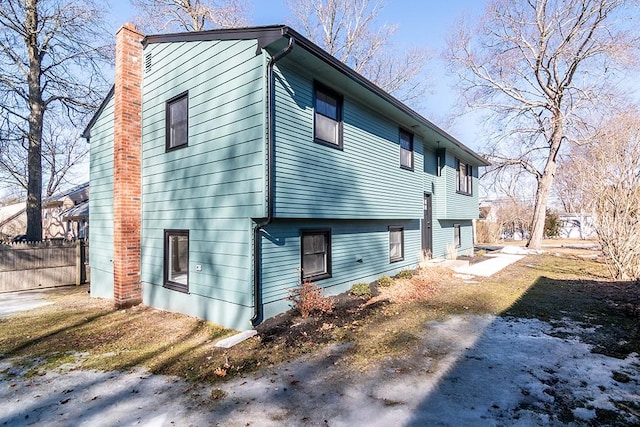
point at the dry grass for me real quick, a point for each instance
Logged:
(81, 332)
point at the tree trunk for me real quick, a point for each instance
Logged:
(545, 181)
(36, 116)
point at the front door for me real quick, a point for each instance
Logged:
(427, 232)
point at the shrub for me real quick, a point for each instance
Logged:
(552, 224)
(404, 274)
(481, 253)
(361, 289)
(385, 281)
(307, 298)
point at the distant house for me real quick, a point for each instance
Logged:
(64, 215)
(229, 165)
(577, 226)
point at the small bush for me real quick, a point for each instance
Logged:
(481, 253)
(404, 274)
(385, 281)
(307, 298)
(361, 289)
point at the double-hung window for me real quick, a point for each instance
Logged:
(177, 122)
(327, 123)
(176, 260)
(316, 254)
(406, 149)
(464, 183)
(396, 244)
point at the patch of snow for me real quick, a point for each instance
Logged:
(473, 370)
(519, 250)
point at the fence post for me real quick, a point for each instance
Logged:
(78, 262)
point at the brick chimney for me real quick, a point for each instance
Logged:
(127, 173)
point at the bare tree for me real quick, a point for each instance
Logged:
(610, 177)
(62, 151)
(189, 15)
(349, 31)
(50, 61)
(542, 67)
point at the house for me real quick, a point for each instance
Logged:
(65, 215)
(577, 225)
(227, 166)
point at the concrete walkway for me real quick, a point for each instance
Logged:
(499, 260)
(489, 267)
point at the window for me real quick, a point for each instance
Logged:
(406, 150)
(177, 118)
(465, 178)
(457, 241)
(396, 244)
(316, 254)
(176, 260)
(328, 117)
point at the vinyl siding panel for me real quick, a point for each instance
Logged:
(351, 241)
(459, 206)
(363, 180)
(213, 186)
(101, 204)
(445, 237)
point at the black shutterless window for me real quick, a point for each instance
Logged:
(396, 244)
(176, 260)
(406, 149)
(327, 123)
(464, 182)
(177, 119)
(316, 254)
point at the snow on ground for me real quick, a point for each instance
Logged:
(472, 370)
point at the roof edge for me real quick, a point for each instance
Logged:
(354, 75)
(86, 133)
(264, 34)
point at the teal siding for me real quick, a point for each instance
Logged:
(459, 206)
(101, 204)
(443, 236)
(351, 241)
(364, 180)
(213, 186)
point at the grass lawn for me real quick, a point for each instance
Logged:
(81, 332)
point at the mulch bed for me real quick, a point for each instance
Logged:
(291, 329)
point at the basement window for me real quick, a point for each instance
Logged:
(457, 240)
(316, 254)
(176, 260)
(396, 244)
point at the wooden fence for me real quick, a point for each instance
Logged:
(43, 264)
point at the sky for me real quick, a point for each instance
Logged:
(420, 23)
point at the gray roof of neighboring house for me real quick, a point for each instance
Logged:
(78, 194)
(79, 211)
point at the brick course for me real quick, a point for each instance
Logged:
(127, 206)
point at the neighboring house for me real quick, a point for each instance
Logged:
(13, 220)
(229, 165)
(63, 215)
(577, 226)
